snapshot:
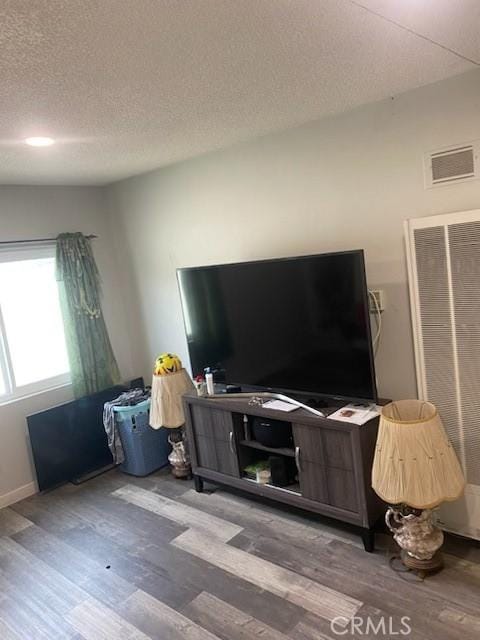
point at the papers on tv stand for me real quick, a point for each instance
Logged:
(279, 405)
(356, 413)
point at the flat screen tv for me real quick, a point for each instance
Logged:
(298, 326)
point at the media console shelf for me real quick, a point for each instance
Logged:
(333, 459)
(278, 451)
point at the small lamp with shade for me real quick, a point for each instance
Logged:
(170, 381)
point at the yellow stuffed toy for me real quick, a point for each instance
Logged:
(167, 363)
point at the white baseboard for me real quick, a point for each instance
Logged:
(17, 494)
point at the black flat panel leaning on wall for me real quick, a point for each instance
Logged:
(69, 441)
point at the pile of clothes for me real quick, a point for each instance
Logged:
(128, 398)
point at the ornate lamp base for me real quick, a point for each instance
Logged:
(418, 538)
(179, 458)
(423, 567)
(182, 472)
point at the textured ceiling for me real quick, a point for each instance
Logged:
(129, 85)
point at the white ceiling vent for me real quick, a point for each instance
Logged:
(455, 164)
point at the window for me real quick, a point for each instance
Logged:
(33, 354)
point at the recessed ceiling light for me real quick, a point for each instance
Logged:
(39, 141)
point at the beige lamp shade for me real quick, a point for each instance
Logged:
(415, 463)
(166, 409)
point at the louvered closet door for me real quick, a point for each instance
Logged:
(436, 327)
(464, 245)
(444, 273)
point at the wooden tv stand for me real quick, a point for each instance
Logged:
(333, 459)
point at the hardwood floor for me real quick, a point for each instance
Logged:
(123, 558)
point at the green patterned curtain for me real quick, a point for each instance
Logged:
(92, 363)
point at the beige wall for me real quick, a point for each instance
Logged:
(342, 183)
(33, 212)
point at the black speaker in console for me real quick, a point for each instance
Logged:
(279, 471)
(272, 433)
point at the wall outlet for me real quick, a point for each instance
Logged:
(379, 295)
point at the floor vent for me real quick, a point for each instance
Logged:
(456, 164)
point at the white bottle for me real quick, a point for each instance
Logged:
(209, 381)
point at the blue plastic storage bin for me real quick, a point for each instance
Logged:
(146, 449)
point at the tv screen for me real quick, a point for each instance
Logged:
(295, 325)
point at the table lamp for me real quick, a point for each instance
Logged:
(414, 470)
(170, 381)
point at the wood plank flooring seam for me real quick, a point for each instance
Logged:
(90, 575)
(256, 514)
(182, 514)
(160, 621)
(219, 616)
(311, 596)
(461, 620)
(11, 522)
(97, 622)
